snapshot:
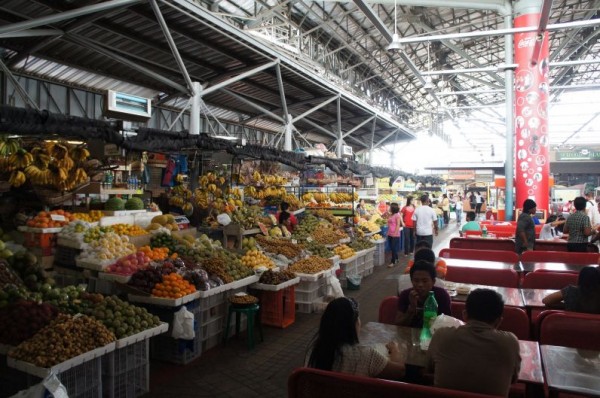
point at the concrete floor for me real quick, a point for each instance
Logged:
(234, 371)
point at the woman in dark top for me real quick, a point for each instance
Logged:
(585, 297)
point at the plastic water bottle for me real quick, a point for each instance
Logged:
(430, 311)
(484, 231)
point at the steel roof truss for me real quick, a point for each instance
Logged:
(239, 77)
(316, 108)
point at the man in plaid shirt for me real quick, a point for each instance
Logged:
(578, 226)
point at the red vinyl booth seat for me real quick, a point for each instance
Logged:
(482, 244)
(549, 280)
(514, 319)
(314, 383)
(485, 255)
(569, 329)
(491, 277)
(388, 308)
(559, 246)
(560, 257)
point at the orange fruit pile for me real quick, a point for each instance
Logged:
(173, 286)
(158, 253)
(44, 219)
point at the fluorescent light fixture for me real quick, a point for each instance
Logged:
(226, 137)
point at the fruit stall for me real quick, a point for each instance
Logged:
(94, 283)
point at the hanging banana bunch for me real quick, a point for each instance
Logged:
(79, 154)
(17, 178)
(8, 146)
(20, 158)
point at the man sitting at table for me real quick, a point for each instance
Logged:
(471, 224)
(411, 301)
(476, 357)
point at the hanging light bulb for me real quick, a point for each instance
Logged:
(395, 44)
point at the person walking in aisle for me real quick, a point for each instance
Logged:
(395, 225)
(579, 227)
(478, 203)
(409, 226)
(472, 201)
(525, 233)
(446, 208)
(425, 221)
(458, 208)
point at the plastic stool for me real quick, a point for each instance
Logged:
(251, 313)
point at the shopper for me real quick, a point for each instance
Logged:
(585, 297)
(410, 301)
(478, 203)
(336, 346)
(458, 209)
(471, 224)
(446, 208)
(395, 225)
(476, 357)
(579, 227)
(472, 201)
(409, 226)
(550, 229)
(591, 209)
(291, 224)
(425, 221)
(525, 232)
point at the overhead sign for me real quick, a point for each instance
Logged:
(464, 174)
(580, 154)
(127, 107)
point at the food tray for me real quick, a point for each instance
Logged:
(378, 241)
(275, 288)
(164, 302)
(302, 210)
(350, 259)
(93, 265)
(146, 334)
(40, 230)
(243, 282)
(312, 277)
(367, 234)
(61, 367)
(114, 277)
(73, 244)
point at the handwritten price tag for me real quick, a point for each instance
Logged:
(57, 217)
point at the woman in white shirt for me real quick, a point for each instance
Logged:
(551, 230)
(336, 346)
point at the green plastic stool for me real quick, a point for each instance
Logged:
(251, 313)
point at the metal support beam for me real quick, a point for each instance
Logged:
(284, 107)
(32, 33)
(196, 88)
(255, 106)
(541, 31)
(355, 128)
(239, 77)
(316, 108)
(340, 140)
(62, 16)
(372, 139)
(386, 137)
(584, 125)
(148, 72)
(509, 164)
(172, 45)
(22, 93)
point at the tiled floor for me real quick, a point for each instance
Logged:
(233, 371)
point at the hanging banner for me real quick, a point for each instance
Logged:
(532, 166)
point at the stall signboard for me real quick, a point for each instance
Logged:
(461, 174)
(581, 154)
(484, 175)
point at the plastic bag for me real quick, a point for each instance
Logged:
(51, 385)
(445, 321)
(334, 288)
(224, 219)
(183, 325)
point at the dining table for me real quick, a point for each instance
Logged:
(481, 264)
(571, 370)
(512, 296)
(379, 334)
(531, 266)
(532, 298)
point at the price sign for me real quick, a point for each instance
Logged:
(57, 217)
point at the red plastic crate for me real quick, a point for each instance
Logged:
(39, 239)
(278, 308)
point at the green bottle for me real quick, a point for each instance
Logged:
(430, 311)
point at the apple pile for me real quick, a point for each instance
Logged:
(129, 264)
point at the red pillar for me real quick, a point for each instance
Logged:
(532, 165)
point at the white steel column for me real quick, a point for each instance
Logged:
(195, 109)
(287, 143)
(509, 164)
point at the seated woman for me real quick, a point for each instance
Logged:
(585, 297)
(551, 230)
(411, 301)
(471, 224)
(336, 346)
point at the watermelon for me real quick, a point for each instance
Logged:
(114, 204)
(134, 204)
